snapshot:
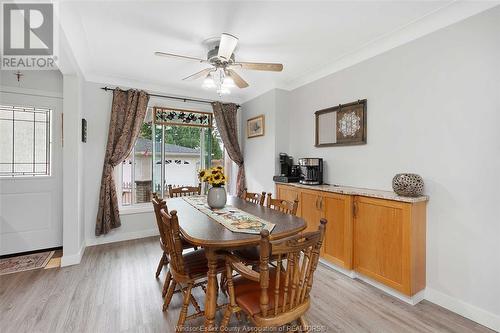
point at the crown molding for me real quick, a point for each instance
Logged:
(32, 92)
(451, 13)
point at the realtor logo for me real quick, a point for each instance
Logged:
(28, 29)
(28, 36)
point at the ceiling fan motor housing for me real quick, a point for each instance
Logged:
(213, 58)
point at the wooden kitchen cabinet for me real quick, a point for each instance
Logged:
(389, 242)
(379, 238)
(337, 209)
(311, 210)
(337, 246)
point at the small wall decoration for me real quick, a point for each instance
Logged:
(84, 130)
(255, 126)
(170, 116)
(341, 125)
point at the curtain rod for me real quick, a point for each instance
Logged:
(184, 99)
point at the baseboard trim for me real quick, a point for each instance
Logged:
(466, 310)
(412, 300)
(349, 273)
(120, 237)
(73, 259)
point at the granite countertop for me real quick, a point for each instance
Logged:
(381, 194)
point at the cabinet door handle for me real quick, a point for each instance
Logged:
(316, 203)
(355, 209)
(321, 203)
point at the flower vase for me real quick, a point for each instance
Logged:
(217, 197)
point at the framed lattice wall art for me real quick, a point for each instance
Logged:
(341, 125)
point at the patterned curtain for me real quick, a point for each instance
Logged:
(227, 124)
(127, 115)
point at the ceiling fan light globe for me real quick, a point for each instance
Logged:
(228, 82)
(208, 82)
(223, 91)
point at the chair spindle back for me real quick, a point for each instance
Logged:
(297, 259)
(284, 206)
(182, 191)
(256, 198)
(172, 239)
(158, 205)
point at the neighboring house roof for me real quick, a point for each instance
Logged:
(144, 145)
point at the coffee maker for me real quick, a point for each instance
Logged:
(288, 172)
(286, 163)
(311, 171)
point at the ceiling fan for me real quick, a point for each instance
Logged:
(222, 74)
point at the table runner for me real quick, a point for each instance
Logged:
(230, 217)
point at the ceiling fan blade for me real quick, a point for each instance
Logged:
(178, 56)
(227, 45)
(238, 80)
(199, 74)
(260, 66)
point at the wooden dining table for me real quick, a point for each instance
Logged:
(201, 230)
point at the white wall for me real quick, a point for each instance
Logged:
(274, 105)
(73, 157)
(433, 109)
(39, 80)
(73, 184)
(259, 176)
(282, 128)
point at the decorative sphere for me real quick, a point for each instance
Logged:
(408, 184)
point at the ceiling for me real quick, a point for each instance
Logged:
(114, 41)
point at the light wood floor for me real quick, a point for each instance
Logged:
(114, 290)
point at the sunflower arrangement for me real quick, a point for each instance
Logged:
(214, 176)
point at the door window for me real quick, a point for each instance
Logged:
(24, 141)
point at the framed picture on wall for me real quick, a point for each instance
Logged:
(341, 125)
(255, 126)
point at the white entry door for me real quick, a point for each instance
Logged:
(31, 199)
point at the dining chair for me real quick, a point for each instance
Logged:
(187, 270)
(256, 198)
(251, 254)
(275, 296)
(284, 206)
(158, 205)
(183, 191)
